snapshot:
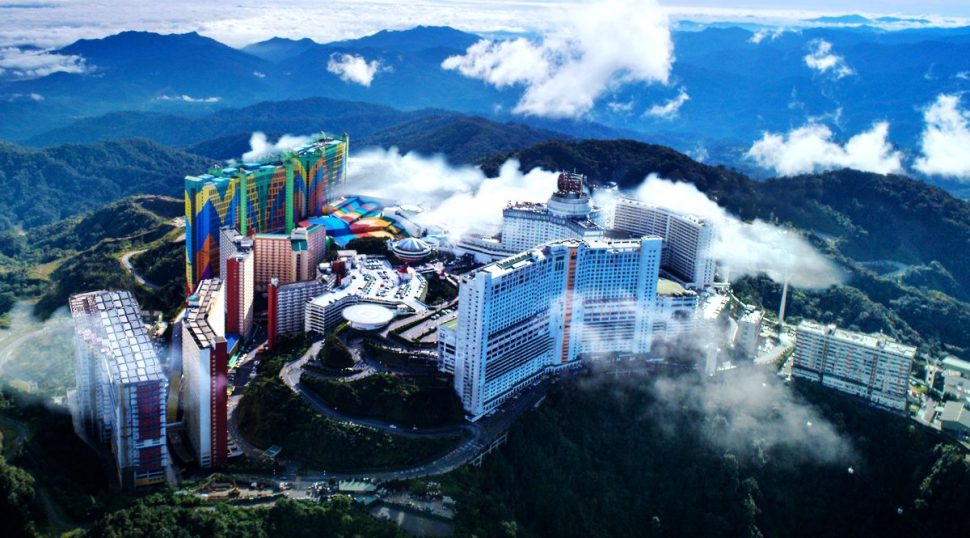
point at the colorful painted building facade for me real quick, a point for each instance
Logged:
(259, 197)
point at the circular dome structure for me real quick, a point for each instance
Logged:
(367, 317)
(411, 250)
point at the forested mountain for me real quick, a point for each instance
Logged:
(43, 186)
(618, 457)
(225, 133)
(738, 84)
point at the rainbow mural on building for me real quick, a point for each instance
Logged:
(260, 197)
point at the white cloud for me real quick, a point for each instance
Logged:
(20, 97)
(769, 34)
(353, 68)
(617, 106)
(249, 21)
(261, 148)
(822, 59)
(758, 413)
(963, 75)
(810, 149)
(945, 142)
(446, 192)
(27, 63)
(594, 47)
(669, 109)
(189, 99)
(746, 248)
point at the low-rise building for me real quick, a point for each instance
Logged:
(675, 312)
(447, 339)
(955, 418)
(873, 367)
(364, 279)
(748, 339)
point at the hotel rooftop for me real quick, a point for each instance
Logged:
(110, 322)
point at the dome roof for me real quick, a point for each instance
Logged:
(411, 244)
(411, 249)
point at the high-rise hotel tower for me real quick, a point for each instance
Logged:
(260, 197)
(546, 308)
(121, 390)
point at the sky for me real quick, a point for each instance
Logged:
(53, 23)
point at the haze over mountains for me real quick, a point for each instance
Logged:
(727, 87)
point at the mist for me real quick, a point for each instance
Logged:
(746, 248)
(459, 198)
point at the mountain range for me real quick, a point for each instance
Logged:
(738, 84)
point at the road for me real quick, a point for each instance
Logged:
(126, 263)
(291, 373)
(480, 434)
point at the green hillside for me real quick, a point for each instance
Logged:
(44, 186)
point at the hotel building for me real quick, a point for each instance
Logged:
(261, 197)
(547, 308)
(568, 214)
(120, 388)
(237, 265)
(873, 367)
(291, 257)
(687, 239)
(205, 362)
(285, 306)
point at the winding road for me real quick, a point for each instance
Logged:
(126, 263)
(480, 434)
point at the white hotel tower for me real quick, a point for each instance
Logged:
(546, 308)
(687, 238)
(569, 214)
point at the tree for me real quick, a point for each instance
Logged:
(334, 353)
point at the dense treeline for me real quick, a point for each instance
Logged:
(44, 186)
(409, 401)
(164, 515)
(878, 217)
(610, 459)
(334, 353)
(164, 266)
(270, 413)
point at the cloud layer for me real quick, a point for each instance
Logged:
(593, 48)
(26, 63)
(353, 68)
(822, 59)
(746, 248)
(261, 148)
(756, 413)
(446, 192)
(671, 108)
(811, 149)
(945, 141)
